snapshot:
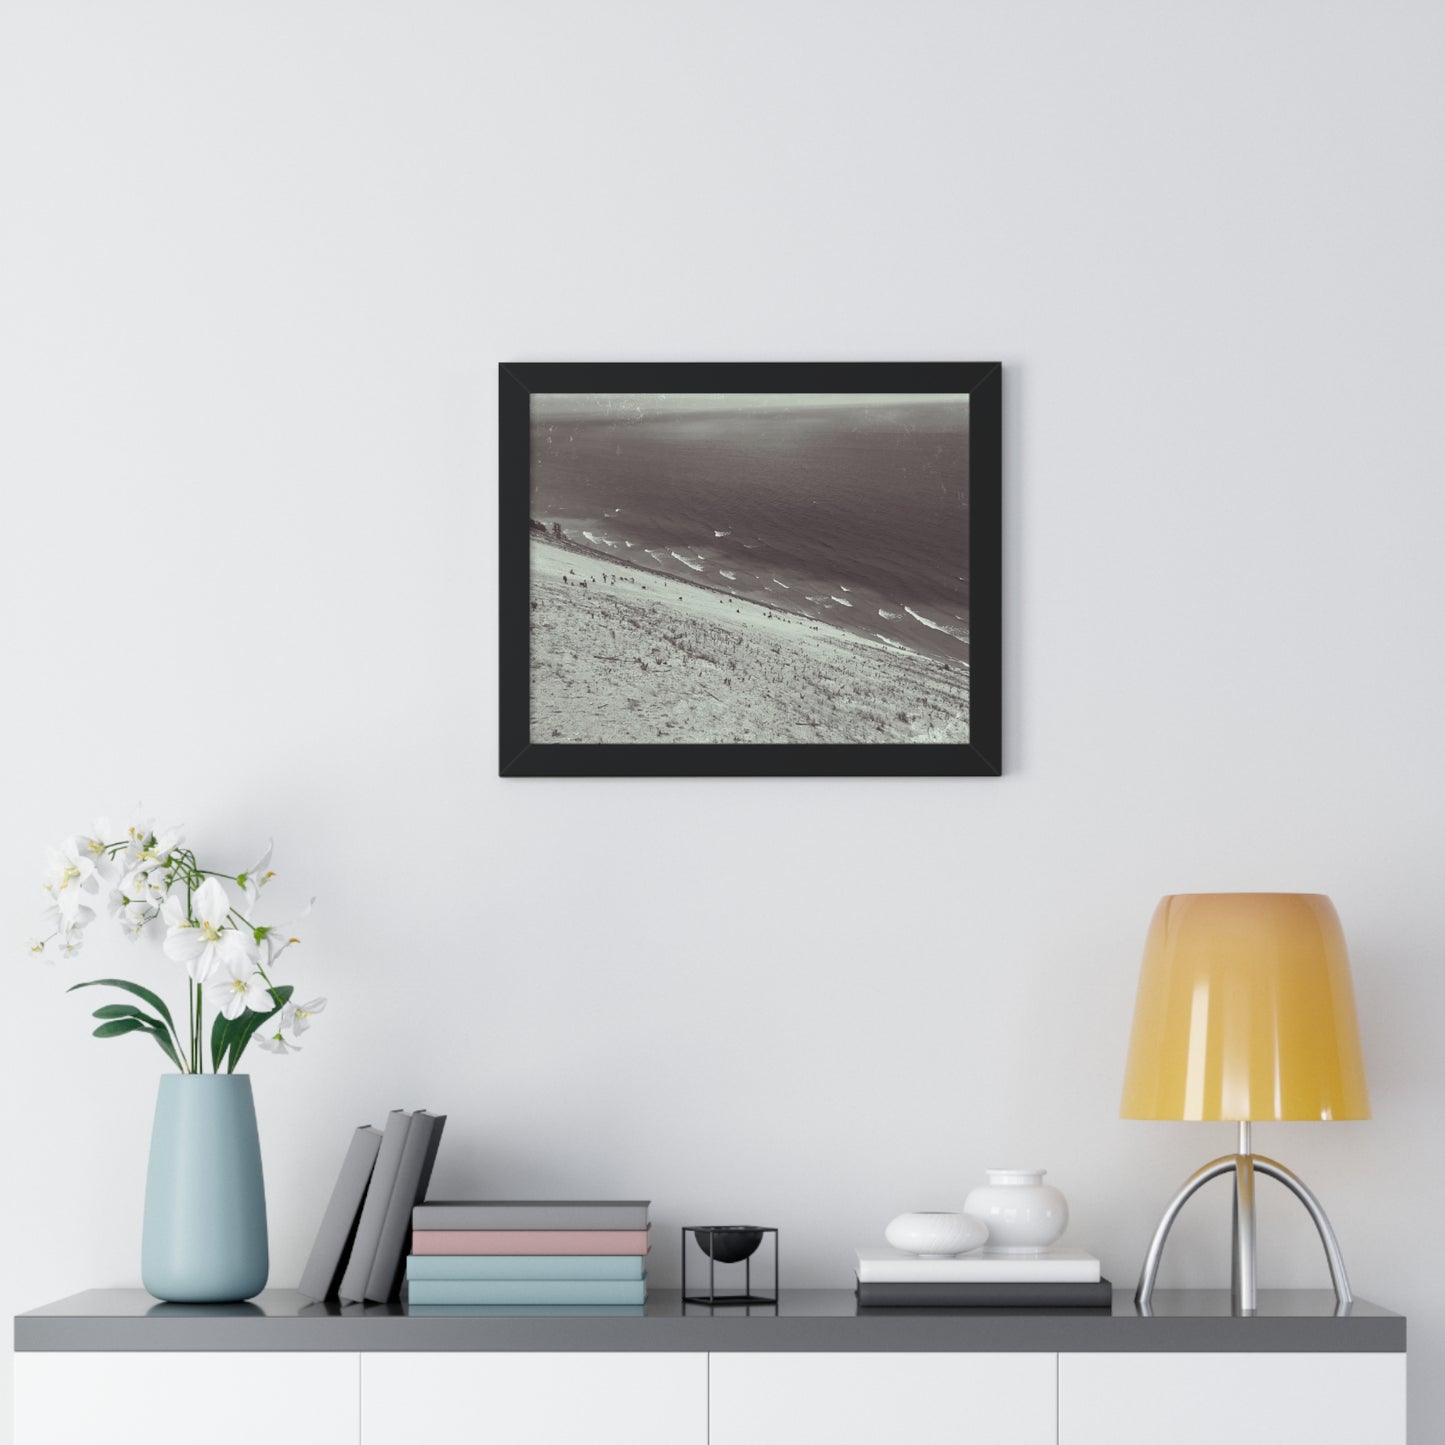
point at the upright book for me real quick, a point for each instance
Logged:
(322, 1274)
(373, 1212)
(413, 1174)
(531, 1214)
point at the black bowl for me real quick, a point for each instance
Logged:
(729, 1243)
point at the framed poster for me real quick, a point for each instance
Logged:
(750, 569)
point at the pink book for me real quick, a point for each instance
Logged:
(529, 1241)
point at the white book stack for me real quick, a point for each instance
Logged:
(982, 1279)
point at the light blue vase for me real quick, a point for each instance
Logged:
(204, 1239)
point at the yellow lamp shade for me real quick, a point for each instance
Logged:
(1245, 1010)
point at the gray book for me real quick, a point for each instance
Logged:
(373, 1212)
(531, 1214)
(412, 1177)
(338, 1225)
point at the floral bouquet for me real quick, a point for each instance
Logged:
(229, 958)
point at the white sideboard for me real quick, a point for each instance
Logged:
(854, 1399)
(221, 1398)
(534, 1399)
(115, 1368)
(1197, 1399)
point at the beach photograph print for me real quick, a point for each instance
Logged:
(748, 568)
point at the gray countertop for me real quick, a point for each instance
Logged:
(806, 1320)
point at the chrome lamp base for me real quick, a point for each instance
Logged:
(1244, 1165)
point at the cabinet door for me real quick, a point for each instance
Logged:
(882, 1399)
(534, 1399)
(223, 1398)
(1197, 1399)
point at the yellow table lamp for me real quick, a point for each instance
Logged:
(1245, 1012)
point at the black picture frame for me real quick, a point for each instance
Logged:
(981, 756)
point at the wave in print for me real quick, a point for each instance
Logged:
(937, 626)
(873, 492)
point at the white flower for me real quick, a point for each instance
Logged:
(67, 943)
(207, 941)
(35, 947)
(147, 847)
(95, 846)
(134, 917)
(275, 1043)
(69, 915)
(256, 877)
(279, 938)
(160, 845)
(237, 986)
(69, 909)
(297, 1016)
(144, 883)
(135, 838)
(134, 913)
(70, 869)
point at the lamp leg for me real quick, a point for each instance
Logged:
(1243, 1289)
(1192, 1185)
(1273, 1169)
(1245, 1166)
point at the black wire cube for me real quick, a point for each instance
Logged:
(729, 1245)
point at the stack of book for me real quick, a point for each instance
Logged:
(535, 1256)
(1054, 1279)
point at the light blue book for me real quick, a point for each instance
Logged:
(525, 1266)
(516, 1311)
(528, 1291)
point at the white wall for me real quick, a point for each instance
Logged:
(259, 264)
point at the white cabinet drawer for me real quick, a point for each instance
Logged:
(1199, 1399)
(882, 1399)
(533, 1399)
(223, 1398)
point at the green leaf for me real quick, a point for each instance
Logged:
(163, 1033)
(218, 1040)
(240, 1030)
(124, 1011)
(153, 999)
(163, 1039)
(116, 1027)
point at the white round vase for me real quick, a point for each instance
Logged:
(1024, 1215)
(935, 1234)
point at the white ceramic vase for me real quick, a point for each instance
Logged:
(1024, 1215)
(935, 1234)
